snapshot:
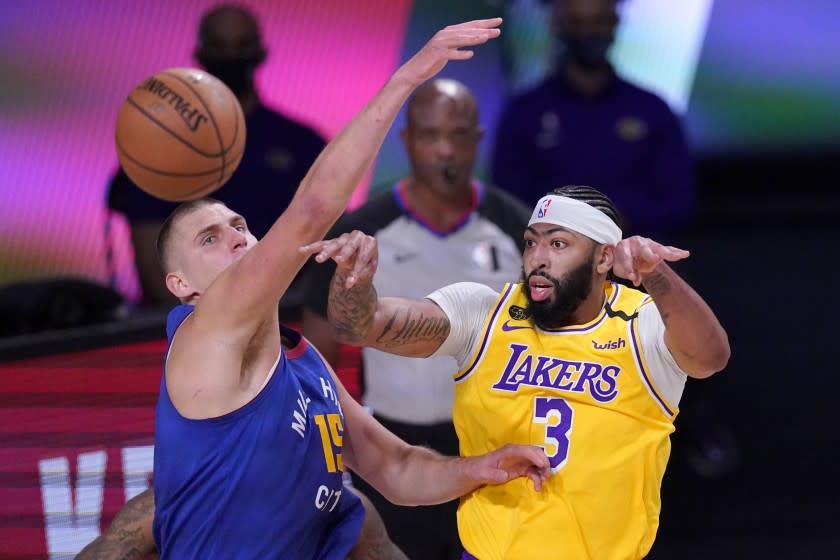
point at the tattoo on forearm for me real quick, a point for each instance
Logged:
(657, 284)
(351, 310)
(121, 545)
(125, 538)
(123, 534)
(404, 327)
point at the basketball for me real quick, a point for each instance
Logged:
(180, 134)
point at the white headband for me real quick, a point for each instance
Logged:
(577, 216)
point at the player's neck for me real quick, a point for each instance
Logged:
(591, 307)
(441, 211)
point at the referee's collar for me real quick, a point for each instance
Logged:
(402, 201)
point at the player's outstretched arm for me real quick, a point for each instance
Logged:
(412, 475)
(419, 476)
(129, 536)
(260, 278)
(693, 333)
(403, 326)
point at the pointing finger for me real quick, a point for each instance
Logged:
(535, 477)
(483, 23)
(312, 248)
(629, 263)
(677, 253)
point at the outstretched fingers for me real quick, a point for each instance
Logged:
(672, 254)
(623, 265)
(458, 53)
(457, 38)
(653, 253)
(636, 256)
(355, 252)
(326, 250)
(315, 249)
(366, 259)
(537, 476)
(348, 248)
(516, 460)
(450, 43)
(487, 23)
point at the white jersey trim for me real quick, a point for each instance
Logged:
(667, 377)
(467, 304)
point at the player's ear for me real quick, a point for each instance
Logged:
(604, 257)
(178, 285)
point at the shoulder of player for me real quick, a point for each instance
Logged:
(204, 330)
(204, 366)
(464, 294)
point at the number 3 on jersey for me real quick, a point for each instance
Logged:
(331, 438)
(556, 414)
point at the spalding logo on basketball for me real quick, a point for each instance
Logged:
(180, 134)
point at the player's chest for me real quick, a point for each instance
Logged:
(599, 367)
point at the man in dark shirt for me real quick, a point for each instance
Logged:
(278, 151)
(586, 125)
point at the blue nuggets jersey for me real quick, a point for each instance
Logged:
(264, 481)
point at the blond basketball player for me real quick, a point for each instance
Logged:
(587, 368)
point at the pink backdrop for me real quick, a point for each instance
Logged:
(68, 65)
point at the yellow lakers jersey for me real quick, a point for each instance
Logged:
(585, 395)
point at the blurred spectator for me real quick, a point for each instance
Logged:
(278, 150)
(585, 125)
(437, 226)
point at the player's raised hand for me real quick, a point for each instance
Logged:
(509, 462)
(637, 256)
(448, 44)
(352, 252)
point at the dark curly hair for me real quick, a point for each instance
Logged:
(594, 198)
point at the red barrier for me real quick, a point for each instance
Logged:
(76, 434)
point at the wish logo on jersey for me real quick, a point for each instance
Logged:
(534, 370)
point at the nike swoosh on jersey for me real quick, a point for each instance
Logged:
(405, 257)
(506, 326)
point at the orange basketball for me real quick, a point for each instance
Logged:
(180, 134)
